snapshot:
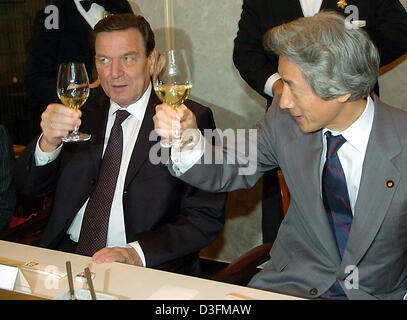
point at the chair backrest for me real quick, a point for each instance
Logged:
(392, 65)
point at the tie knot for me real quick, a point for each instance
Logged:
(121, 115)
(333, 143)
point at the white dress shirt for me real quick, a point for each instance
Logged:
(92, 16)
(116, 235)
(309, 8)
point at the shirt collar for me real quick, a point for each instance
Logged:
(137, 109)
(358, 133)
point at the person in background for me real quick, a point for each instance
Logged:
(343, 154)
(59, 36)
(385, 21)
(7, 191)
(112, 201)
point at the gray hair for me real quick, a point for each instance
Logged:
(334, 58)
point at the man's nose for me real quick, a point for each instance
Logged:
(116, 69)
(285, 101)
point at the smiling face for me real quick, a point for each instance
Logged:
(309, 110)
(124, 69)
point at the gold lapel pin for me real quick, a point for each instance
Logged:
(390, 183)
(106, 14)
(341, 4)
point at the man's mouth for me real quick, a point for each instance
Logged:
(118, 87)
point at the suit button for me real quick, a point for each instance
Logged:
(92, 182)
(313, 291)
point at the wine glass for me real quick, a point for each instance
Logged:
(173, 85)
(73, 90)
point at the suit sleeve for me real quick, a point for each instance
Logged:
(252, 155)
(249, 56)
(32, 180)
(198, 223)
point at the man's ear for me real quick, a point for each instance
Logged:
(152, 59)
(343, 98)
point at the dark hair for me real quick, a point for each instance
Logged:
(124, 21)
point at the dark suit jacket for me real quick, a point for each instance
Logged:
(7, 192)
(169, 218)
(386, 23)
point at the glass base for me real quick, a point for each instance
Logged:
(76, 137)
(165, 143)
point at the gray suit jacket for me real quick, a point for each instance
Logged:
(304, 258)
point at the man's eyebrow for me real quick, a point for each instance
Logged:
(289, 82)
(123, 55)
(130, 53)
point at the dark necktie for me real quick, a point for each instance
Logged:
(336, 201)
(97, 213)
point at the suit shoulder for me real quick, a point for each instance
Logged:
(96, 97)
(198, 109)
(204, 115)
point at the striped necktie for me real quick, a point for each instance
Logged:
(336, 201)
(95, 221)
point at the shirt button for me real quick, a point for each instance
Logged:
(313, 291)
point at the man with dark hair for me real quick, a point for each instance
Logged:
(343, 155)
(62, 32)
(111, 202)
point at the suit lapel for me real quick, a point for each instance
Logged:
(89, 153)
(143, 143)
(95, 123)
(304, 157)
(374, 196)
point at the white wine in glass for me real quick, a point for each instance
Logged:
(73, 91)
(173, 85)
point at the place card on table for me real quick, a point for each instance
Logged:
(11, 278)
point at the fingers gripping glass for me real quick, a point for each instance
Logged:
(173, 85)
(73, 91)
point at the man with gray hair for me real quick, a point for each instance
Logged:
(342, 152)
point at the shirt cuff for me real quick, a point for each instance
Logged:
(186, 159)
(268, 87)
(42, 158)
(136, 246)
